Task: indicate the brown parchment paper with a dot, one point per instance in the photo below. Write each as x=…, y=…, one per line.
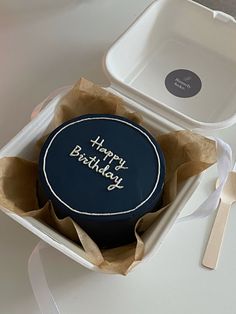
x=186, y=154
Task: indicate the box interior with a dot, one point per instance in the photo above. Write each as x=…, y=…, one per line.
x=177, y=34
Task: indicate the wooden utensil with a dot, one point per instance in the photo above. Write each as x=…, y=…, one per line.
x=228, y=197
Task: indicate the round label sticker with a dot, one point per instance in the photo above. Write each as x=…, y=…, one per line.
x=183, y=83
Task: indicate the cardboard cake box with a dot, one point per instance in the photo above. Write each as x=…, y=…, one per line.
x=167, y=66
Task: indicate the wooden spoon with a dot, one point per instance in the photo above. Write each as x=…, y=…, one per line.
x=228, y=197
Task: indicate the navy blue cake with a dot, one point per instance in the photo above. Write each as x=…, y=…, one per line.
x=104, y=172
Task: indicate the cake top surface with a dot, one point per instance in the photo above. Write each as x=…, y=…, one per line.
x=102, y=165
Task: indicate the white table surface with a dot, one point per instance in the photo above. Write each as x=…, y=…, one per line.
x=43, y=46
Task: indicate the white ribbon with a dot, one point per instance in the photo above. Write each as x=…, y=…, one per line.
x=39, y=283
x=224, y=166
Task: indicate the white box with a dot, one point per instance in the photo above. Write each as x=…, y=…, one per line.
x=137, y=65
x=179, y=34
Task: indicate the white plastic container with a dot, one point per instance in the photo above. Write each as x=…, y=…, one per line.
x=169, y=35
x=172, y=35
x=22, y=145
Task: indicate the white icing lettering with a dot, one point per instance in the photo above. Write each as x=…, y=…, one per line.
x=95, y=142
x=113, y=186
x=108, y=153
x=81, y=157
x=103, y=170
x=115, y=157
x=94, y=163
x=121, y=165
x=92, y=159
x=110, y=175
x=75, y=151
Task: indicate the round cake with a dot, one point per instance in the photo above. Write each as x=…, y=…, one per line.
x=103, y=171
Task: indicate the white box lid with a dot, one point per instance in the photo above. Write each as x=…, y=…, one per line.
x=178, y=59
